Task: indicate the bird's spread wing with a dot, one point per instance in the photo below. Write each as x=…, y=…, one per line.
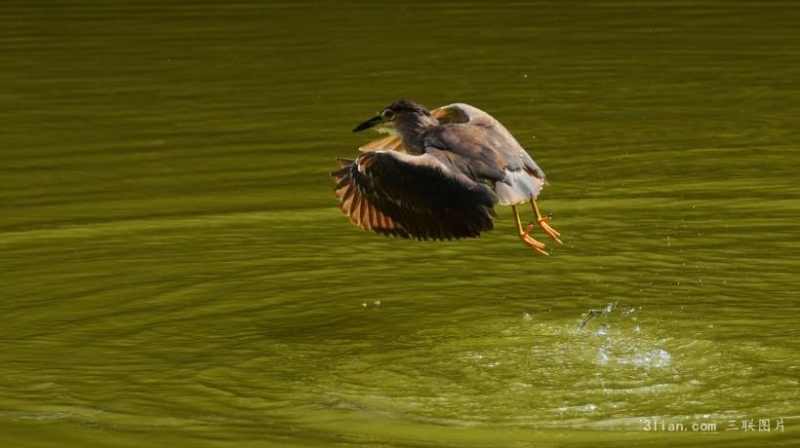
x=388, y=143
x=412, y=196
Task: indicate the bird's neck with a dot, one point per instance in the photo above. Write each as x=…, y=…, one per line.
x=413, y=133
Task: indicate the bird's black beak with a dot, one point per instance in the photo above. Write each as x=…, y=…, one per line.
x=369, y=123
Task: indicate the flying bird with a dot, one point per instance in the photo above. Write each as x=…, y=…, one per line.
x=439, y=174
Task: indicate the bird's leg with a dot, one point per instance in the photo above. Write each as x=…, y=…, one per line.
x=527, y=239
x=542, y=222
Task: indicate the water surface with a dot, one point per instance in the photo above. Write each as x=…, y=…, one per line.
x=175, y=269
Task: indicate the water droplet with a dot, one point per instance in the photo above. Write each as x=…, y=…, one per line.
x=602, y=356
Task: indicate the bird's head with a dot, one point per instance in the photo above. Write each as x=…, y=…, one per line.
x=397, y=117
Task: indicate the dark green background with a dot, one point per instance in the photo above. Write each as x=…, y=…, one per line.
x=174, y=268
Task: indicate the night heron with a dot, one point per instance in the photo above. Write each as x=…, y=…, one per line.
x=438, y=175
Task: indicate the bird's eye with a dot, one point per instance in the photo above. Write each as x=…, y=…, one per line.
x=387, y=114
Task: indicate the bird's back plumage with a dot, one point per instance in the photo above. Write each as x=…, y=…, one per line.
x=514, y=174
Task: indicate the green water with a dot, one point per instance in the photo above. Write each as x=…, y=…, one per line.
x=174, y=270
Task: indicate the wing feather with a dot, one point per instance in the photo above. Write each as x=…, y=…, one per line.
x=413, y=196
x=388, y=143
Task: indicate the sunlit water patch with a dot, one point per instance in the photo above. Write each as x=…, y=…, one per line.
x=538, y=372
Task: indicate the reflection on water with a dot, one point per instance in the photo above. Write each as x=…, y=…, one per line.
x=175, y=267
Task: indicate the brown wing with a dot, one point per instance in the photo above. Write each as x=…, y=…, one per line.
x=412, y=197
x=388, y=143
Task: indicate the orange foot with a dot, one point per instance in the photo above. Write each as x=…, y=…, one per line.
x=551, y=232
x=538, y=246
